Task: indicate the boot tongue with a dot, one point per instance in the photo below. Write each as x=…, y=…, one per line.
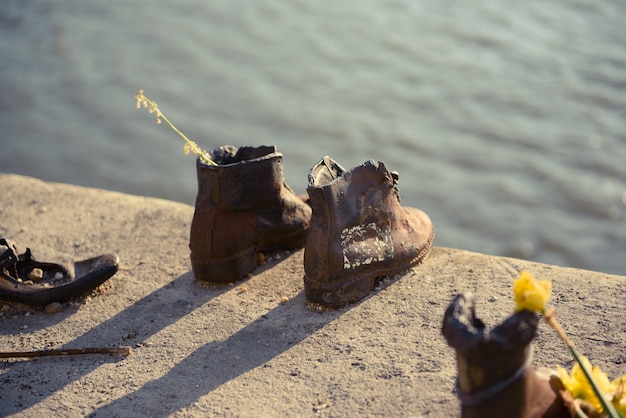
x=461, y=328
x=252, y=153
x=229, y=154
x=325, y=172
x=371, y=163
x=224, y=154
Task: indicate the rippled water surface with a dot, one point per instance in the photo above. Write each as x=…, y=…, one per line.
x=505, y=120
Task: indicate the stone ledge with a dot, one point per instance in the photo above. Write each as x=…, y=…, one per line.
x=239, y=351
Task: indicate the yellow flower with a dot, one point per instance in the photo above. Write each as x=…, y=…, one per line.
x=531, y=294
x=577, y=384
x=619, y=398
x=571, y=384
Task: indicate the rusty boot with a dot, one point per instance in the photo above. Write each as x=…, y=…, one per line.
x=496, y=377
x=243, y=206
x=358, y=232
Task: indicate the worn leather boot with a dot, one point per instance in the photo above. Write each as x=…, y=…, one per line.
x=27, y=281
x=243, y=206
x=496, y=377
x=358, y=232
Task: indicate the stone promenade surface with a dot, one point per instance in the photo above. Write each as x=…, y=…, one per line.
x=255, y=348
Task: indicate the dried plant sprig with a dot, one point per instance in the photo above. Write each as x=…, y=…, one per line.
x=190, y=146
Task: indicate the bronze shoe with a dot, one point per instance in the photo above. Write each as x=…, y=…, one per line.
x=359, y=232
x=496, y=377
x=243, y=206
x=27, y=281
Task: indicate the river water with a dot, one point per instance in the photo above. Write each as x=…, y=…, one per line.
x=505, y=120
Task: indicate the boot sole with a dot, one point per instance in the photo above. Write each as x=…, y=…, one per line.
x=350, y=289
x=231, y=269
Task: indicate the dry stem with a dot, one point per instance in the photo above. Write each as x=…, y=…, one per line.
x=122, y=351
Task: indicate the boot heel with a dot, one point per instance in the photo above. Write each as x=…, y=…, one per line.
x=338, y=294
x=226, y=270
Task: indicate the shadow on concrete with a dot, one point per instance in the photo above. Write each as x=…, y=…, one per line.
x=219, y=362
x=178, y=298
